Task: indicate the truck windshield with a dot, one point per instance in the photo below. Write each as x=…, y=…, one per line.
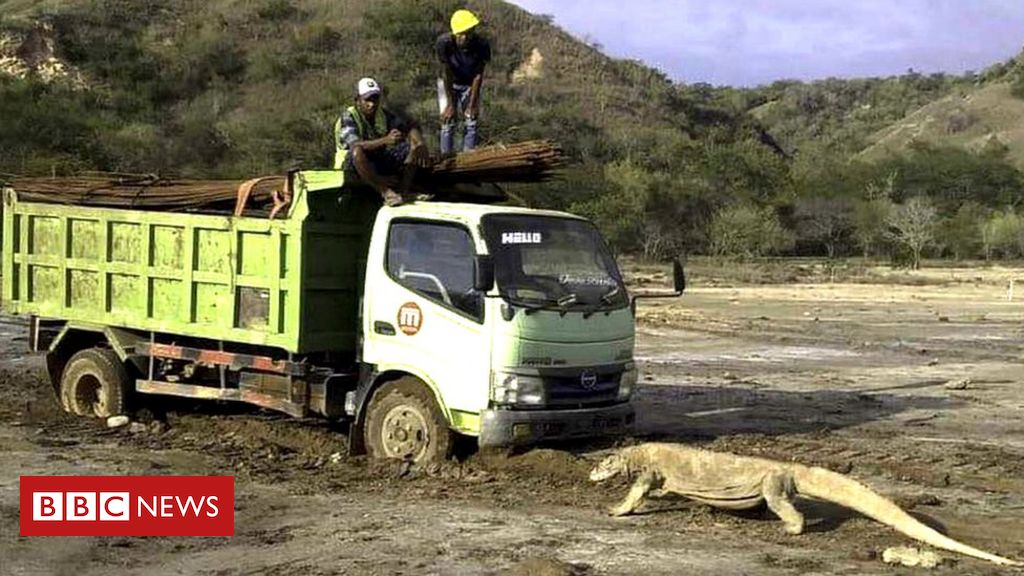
x=552, y=262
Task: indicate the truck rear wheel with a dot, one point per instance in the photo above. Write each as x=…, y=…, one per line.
x=403, y=421
x=94, y=383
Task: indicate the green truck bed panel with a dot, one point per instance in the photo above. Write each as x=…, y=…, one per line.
x=289, y=283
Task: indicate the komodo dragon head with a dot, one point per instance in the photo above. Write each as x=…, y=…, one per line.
x=609, y=467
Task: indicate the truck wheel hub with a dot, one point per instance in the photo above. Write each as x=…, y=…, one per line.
x=88, y=393
x=405, y=433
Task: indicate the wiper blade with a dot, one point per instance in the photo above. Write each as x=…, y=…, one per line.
x=524, y=304
x=530, y=306
x=561, y=304
x=607, y=296
x=606, y=300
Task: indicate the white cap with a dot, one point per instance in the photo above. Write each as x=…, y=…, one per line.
x=368, y=87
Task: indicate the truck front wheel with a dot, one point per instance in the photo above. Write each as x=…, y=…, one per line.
x=94, y=383
x=403, y=421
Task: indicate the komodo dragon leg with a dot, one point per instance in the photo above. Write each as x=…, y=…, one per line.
x=643, y=485
x=778, y=491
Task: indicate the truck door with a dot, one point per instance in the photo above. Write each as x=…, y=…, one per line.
x=422, y=315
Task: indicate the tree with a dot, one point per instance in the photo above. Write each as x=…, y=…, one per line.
x=962, y=233
x=951, y=176
x=746, y=230
x=1017, y=77
x=620, y=211
x=825, y=221
x=870, y=213
x=912, y=225
x=1003, y=234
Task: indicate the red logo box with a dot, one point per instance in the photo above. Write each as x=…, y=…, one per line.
x=127, y=505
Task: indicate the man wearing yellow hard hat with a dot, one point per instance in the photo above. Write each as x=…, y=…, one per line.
x=464, y=54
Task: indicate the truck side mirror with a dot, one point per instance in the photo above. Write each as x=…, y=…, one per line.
x=678, y=276
x=483, y=273
x=678, y=285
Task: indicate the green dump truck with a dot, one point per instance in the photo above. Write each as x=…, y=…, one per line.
x=507, y=324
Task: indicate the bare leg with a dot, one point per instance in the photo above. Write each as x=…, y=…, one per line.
x=410, y=168
x=367, y=172
x=408, y=174
x=778, y=494
x=640, y=488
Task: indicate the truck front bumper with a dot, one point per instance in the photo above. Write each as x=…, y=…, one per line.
x=515, y=427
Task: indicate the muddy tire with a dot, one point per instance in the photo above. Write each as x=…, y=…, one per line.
x=403, y=421
x=94, y=383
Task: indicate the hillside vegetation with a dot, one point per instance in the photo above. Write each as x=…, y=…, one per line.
x=989, y=118
x=231, y=88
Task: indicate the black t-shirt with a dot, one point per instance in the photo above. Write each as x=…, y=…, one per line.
x=464, y=63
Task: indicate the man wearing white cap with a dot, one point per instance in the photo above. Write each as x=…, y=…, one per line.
x=372, y=142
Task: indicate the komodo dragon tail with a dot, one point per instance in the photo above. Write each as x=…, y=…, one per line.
x=833, y=487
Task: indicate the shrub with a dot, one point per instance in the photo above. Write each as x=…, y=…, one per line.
x=277, y=10
x=1017, y=85
x=1003, y=234
x=746, y=230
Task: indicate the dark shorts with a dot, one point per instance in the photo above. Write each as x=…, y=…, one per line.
x=386, y=161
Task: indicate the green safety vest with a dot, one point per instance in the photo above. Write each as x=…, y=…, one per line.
x=366, y=132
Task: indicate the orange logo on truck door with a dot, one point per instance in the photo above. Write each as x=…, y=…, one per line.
x=410, y=318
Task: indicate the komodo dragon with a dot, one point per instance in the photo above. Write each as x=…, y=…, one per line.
x=736, y=482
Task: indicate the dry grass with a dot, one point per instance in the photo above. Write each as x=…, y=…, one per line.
x=993, y=113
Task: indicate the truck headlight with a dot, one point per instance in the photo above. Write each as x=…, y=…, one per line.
x=627, y=381
x=512, y=388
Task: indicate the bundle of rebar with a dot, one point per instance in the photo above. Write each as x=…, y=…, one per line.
x=532, y=161
x=141, y=191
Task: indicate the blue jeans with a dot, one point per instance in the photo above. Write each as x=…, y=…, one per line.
x=448, y=128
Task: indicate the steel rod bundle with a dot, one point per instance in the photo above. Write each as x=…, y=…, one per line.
x=532, y=161
x=145, y=192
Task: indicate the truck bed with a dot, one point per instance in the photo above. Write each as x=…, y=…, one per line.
x=291, y=283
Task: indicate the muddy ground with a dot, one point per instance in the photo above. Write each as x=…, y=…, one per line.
x=915, y=388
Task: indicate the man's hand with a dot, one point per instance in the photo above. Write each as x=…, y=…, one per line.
x=419, y=156
x=393, y=137
x=473, y=110
x=448, y=114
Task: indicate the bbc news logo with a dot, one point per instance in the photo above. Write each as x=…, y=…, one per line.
x=116, y=506
x=127, y=505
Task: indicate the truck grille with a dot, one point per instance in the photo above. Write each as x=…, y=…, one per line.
x=570, y=390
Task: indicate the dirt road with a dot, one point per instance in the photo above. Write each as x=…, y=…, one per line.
x=916, y=390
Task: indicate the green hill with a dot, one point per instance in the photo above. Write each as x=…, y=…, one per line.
x=874, y=118
x=234, y=88
x=237, y=88
x=987, y=118
x=228, y=88
x=840, y=115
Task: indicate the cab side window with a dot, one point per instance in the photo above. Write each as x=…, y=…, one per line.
x=436, y=261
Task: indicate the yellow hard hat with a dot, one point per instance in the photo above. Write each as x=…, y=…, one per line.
x=463, y=20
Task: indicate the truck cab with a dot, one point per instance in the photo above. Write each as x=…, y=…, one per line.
x=516, y=321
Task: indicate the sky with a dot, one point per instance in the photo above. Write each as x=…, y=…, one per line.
x=751, y=42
